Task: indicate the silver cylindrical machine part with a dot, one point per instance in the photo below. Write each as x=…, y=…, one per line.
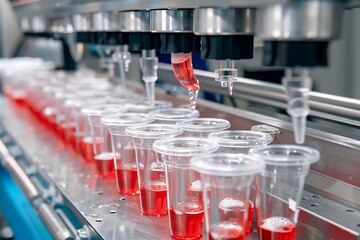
x=104, y=21
x=224, y=21
x=81, y=22
x=38, y=24
x=301, y=20
x=134, y=21
x=179, y=20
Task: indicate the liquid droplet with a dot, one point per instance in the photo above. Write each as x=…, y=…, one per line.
x=193, y=94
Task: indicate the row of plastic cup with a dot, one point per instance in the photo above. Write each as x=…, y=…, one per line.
x=191, y=169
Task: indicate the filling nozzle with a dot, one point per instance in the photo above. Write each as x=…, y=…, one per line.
x=226, y=74
x=297, y=84
x=123, y=57
x=149, y=65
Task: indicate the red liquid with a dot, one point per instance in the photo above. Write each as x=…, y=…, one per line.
x=127, y=180
x=184, y=72
x=226, y=231
x=87, y=149
x=234, y=210
x=153, y=198
x=186, y=220
x=277, y=228
x=18, y=96
x=104, y=163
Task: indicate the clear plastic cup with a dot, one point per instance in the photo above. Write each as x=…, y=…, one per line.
x=95, y=145
x=280, y=188
x=151, y=178
x=273, y=131
x=184, y=186
x=145, y=107
x=228, y=178
x=202, y=127
x=238, y=141
x=124, y=150
x=174, y=115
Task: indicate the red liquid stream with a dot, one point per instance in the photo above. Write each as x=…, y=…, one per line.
x=235, y=211
x=226, y=231
x=153, y=198
x=186, y=220
x=127, y=180
x=277, y=228
x=104, y=163
x=86, y=147
x=184, y=72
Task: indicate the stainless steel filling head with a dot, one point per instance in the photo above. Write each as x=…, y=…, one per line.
x=134, y=21
x=104, y=21
x=224, y=21
x=39, y=24
x=301, y=20
x=81, y=22
x=61, y=25
x=25, y=25
x=172, y=21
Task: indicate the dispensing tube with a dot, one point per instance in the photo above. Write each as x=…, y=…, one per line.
x=184, y=73
x=297, y=84
x=226, y=74
x=149, y=65
x=123, y=56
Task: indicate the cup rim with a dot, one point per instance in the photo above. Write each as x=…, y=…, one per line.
x=175, y=114
x=164, y=130
x=202, y=146
x=102, y=109
x=266, y=129
x=309, y=155
x=126, y=119
x=260, y=138
x=217, y=124
x=207, y=164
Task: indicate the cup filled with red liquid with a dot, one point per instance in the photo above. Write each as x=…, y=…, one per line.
x=280, y=188
x=123, y=148
x=184, y=186
x=174, y=115
x=202, y=127
x=237, y=141
x=151, y=178
x=229, y=178
x=95, y=144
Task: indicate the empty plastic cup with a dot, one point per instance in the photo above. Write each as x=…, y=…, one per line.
x=123, y=149
x=280, y=188
x=184, y=186
x=174, y=115
x=228, y=178
x=273, y=131
x=151, y=178
x=202, y=127
x=237, y=141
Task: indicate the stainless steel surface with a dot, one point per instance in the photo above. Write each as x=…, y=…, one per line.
x=273, y=94
x=301, y=20
x=178, y=20
x=18, y=174
x=134, y=21
x=224, y=21
x=61, y=25
x=104, y=21
x=81, y=22
x=118, y=217
x=57, y=229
